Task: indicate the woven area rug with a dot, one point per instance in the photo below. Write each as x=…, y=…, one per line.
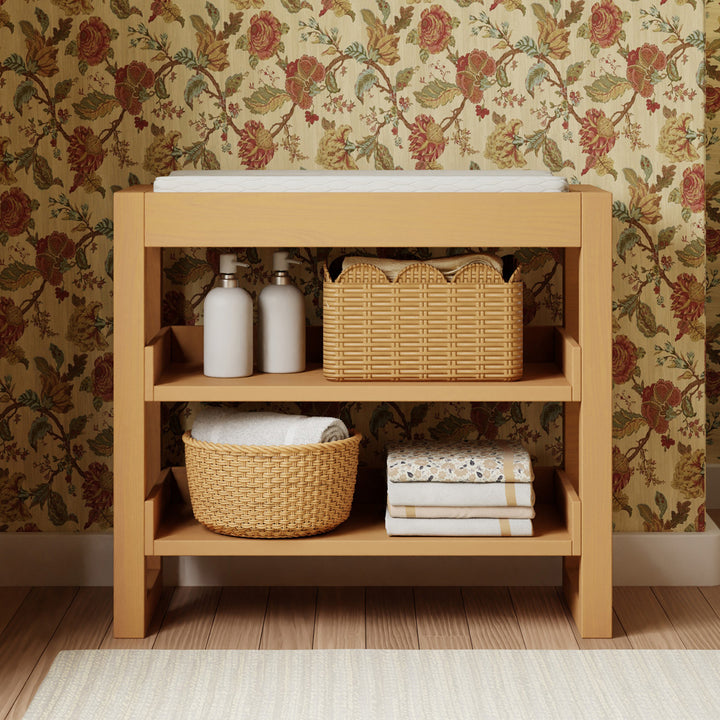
x=380, y=684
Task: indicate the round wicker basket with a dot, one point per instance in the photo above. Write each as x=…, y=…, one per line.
x=271, y=491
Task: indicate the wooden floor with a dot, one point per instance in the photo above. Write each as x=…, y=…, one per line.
x=35, y=624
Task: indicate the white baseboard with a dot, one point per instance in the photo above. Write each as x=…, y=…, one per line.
x=712, y=486
x=45, y=559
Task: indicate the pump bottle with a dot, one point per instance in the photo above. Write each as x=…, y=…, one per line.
x=281, y=318
x=228, y=332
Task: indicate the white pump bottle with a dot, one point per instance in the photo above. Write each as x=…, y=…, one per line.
x=228, y=335
x=281, y=319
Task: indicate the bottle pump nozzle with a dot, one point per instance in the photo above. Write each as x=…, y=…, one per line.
x=228, y=263
x=281, y=264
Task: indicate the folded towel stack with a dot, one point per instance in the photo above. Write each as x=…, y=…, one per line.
x=232, y=427
x=482, y=488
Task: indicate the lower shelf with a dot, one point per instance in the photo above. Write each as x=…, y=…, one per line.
x=173, y=531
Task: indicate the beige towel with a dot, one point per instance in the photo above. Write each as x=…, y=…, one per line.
x=430, y=511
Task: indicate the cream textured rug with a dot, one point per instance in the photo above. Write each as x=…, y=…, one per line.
x=380, y=684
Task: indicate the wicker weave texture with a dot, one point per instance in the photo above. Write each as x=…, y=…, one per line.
x=274, y=491
x=440, y=331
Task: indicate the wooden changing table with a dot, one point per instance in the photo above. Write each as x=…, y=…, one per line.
x=154, y=364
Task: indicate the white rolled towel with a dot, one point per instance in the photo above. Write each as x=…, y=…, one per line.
x=232, y=427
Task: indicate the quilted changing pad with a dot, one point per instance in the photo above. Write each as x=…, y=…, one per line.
x=360, y=181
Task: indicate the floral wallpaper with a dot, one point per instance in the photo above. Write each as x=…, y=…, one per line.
x=99, y=94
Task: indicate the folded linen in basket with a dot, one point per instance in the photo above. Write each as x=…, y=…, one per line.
x=465, y=462
x=502, y=527
x=232, y=427
x=430, y=511
x=461, y=494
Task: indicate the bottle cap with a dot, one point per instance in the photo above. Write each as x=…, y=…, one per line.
x=228, y=263
x=281, y=261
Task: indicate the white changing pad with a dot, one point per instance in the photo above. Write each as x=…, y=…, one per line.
x=360, y=181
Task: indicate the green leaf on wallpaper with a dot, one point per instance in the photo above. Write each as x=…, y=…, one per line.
x=198, y=23
x=693, y=254
x=403, y=78
x=43, y=19
x=42, y=174
x=574, y=72
x=696, y=39
x=620, y=211
x=384, y=7
x=700, y=75
x=266, y=99
x=161, y=89
x=295, y=6
x=687, y=407
x=213, y=14
x=105, y=227
x=437, y=93
x=502, y=77
x=196, y=85
x=366, y=79
x=381, y=415
x=626, y=423
x=30, y=399
x=528, y=46
x=452, y=427
x=665, y=237
x=628, y=237
x=24, y=93
x=646, y=513
x=38, y=430
x=57, y=509
x=77, y=425
x=358, y=52
x=16, y=63
x=5, y=431
x=607, y=87
x=645, y=319
x=133, y=179
x=331, y=82
x=186, y=269
x=552, y=157
x=76, y=368
x=646, y=167
x=535, y=76
x=383, y=158
x=122, y=9
x=186, y=57
x=102, y=443
x=516, y=413
x=548, y=415
x=368, y=16
x=81, y=259
x=661, y=503
x=17, y=275
x=58, y=355
x=95, y=105
x=62, y=90
x=418, y=414
x=233, y=83
x=672, y=71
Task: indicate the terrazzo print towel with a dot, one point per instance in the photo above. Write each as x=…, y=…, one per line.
x=468, y=462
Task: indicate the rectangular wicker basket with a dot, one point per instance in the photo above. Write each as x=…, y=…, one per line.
x=422, y=327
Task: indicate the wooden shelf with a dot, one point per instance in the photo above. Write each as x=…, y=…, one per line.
x=172, y=530
x=173, y=369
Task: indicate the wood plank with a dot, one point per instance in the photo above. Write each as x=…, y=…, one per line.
x=369, y=219
x=24, y=639
x=645, y=622
x=542, y=619
x=239, y=619
x=188, y=619
x=691, y=615
x=340, y=618
x=362, y=534
x=491, y=619
x=11, y=598
x=290, y=619
x=390, y=619
x=441, y=621
x=82, y=628
x=712, y=595
x=110, y=642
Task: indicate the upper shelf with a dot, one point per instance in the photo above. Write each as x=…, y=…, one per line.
x=364, y=219
x=173, y=372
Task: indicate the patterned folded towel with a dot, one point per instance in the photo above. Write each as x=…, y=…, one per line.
x=461, y=494
x=229, y=426
x=457, y=526
x=467, y=462
x=428, y=511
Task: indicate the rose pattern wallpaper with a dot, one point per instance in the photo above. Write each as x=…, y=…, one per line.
x=99, y=94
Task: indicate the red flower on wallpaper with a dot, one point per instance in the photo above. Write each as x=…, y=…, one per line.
x=52, y=253
x=692, y=188
x=85, y=154
x=15, y=211
x=624, y=359
x=263, y=35
x=255, y=147
x=12, y=325
x=621, y=470
x=657, y=401
x=597, y=133
x=643, y=66
x=301, y=78
x=435, y=29
x=605, y=23
x=712, y=242
x=97, y=492
x=472, y=69
x=93, y=41
x=131, y=85
x=688, y=298
x=102, y=377
x=712, y=98
x=427, y=140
